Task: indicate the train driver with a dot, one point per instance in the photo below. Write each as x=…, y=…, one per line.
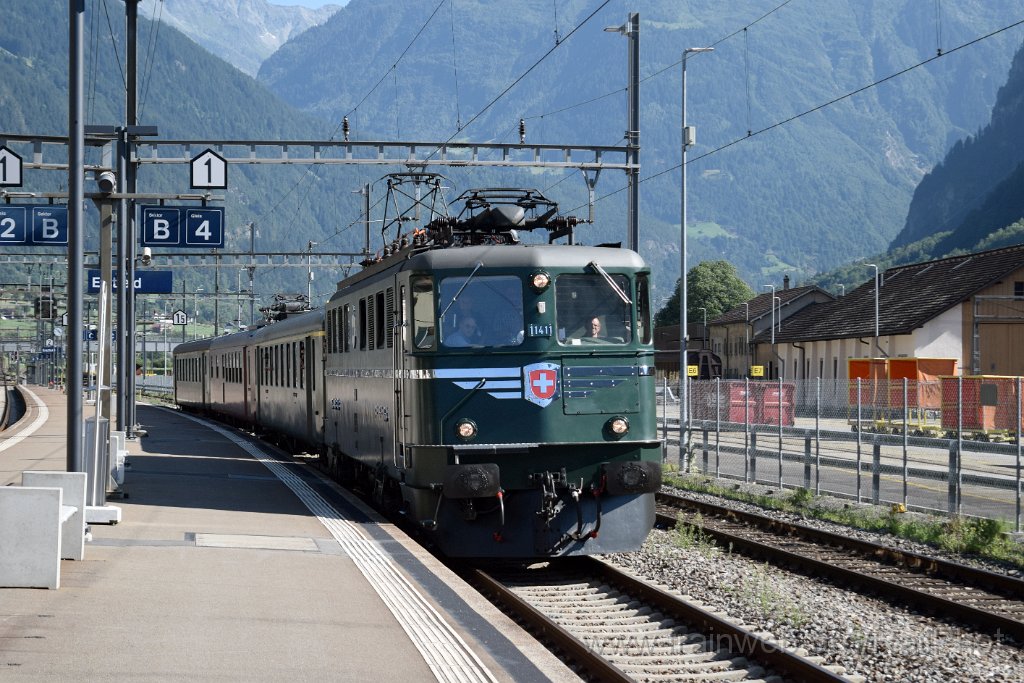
x=465, y=335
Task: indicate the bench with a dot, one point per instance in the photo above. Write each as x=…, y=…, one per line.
x=41, y=522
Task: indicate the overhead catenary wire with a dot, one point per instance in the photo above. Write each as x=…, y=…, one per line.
x=657, y=73
x=455, y=67
x=476, y=116
x=94, y=40
x=113, y=44
x=654, y=75
x=819, y=107
x=147, y=76
x=391, y=68
x=523, y=75
x=334, y=135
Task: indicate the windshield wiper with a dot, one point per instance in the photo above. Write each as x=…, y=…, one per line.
x=479, y=265
x=611, y=283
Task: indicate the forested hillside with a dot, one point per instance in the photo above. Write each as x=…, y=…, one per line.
x=805, y=196
x=972, y=201
x=188, y=94
x=976, y=189
x=816, y=191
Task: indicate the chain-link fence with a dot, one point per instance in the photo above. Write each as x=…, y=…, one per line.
x=951, y=444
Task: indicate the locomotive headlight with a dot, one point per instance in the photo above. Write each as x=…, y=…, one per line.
x=540, y=281
x=618, y=426
x=466, y=429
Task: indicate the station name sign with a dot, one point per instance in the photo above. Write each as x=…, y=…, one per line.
x=146, y=281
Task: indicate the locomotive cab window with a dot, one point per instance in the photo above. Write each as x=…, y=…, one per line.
x=588, y=310
x=643, y=308
x=423, y=312
x=481, y=311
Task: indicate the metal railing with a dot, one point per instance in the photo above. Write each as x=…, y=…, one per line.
x=950, y=444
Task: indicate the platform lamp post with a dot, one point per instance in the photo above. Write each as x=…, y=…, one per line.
x=195, y=313
x=688, y=139
x=746, y=335
x=773, y=322
x=872, y=265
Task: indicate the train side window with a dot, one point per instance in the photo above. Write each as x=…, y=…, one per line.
x=379, y=317
x=339, y=341
x=350, y=327
x=371, y=327
x=423, y=311
x=362, y=324
x=643, y=308
x=330, y=330
x=389, y=315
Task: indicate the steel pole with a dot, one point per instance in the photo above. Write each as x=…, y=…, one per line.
x=633, y=135
x=682, y=268
x=683, y=332
x=76, y=229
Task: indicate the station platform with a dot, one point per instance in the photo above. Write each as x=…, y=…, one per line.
x=235, y=562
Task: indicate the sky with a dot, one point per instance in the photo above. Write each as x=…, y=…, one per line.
x=309, y=3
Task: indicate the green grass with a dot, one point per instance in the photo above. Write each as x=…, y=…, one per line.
x=985, y=538
x=691, y=536
x=707, y=229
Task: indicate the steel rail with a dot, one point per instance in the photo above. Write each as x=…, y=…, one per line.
x=739, y=639
x=924, y=565
x=544, y=628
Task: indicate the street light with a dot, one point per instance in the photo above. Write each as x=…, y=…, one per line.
x=746, y=334
x=872, y=265
x=688, y=139
x=773, y=313
x=195, y=314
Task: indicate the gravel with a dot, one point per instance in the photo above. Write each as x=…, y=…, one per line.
x=868, y=637
x=838, y=503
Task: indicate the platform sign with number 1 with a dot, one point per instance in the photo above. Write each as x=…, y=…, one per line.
x=209, y=171
x=10, y=168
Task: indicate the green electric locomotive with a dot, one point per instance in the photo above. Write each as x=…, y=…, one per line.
x=502, y=393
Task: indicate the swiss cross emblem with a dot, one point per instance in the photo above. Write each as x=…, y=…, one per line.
x=541, y=380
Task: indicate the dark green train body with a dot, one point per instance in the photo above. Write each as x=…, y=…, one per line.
x=502, y=393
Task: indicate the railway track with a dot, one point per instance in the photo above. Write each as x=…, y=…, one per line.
x=615, y=627
x=989, y=602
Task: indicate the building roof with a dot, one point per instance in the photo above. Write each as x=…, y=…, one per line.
x=761, y=305
x=908, y=297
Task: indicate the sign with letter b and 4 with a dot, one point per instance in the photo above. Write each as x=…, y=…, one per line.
x=182, y=226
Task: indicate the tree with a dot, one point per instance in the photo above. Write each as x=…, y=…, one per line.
x=714, y=285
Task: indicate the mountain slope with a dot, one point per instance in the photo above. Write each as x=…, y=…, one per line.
x=955, y=196
x=798, y=198
x=241, y=32
x=188, y=94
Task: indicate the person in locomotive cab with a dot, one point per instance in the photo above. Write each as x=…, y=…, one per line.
x=595, y=328
x=466, y=334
